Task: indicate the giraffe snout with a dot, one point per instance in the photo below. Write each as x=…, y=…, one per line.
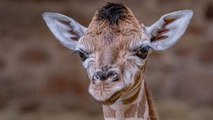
x=105, y=76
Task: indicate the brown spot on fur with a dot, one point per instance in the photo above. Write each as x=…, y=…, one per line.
x=137, y=82
x=152, y=112
x=108, y=112
x=114, y=98
x=139, y=74
x=142, y=106
x=131, y=99
x=131, y=111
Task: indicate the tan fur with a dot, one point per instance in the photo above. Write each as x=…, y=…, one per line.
x=131, y=99
x=110, y=46
x=108, y=112
x=114, y=50
x=131, y=111
x=142, y=106
x=137, y=108
x=152, y=110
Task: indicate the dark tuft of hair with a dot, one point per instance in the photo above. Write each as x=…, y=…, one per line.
x=112, y=12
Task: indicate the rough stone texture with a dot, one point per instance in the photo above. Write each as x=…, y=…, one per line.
x=2, y=64
x=208, y=11
x=37, y=74
x=34, y=56
x=206, y=55
x=60, y=83
x=196, y=86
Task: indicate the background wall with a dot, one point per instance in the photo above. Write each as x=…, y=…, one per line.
x=41, y=80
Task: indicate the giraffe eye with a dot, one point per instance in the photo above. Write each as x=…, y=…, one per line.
x=142, y=52
x=83, y=55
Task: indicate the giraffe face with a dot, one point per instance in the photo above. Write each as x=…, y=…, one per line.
x=115, y=46
x=114, y=61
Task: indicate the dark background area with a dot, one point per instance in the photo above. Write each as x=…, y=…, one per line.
x=42, y=80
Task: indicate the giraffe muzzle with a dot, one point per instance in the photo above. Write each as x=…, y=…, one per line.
x=105, y=76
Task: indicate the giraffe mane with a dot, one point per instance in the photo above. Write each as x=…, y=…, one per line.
x=112, y=13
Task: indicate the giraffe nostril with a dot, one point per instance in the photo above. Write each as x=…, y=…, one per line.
x=115, y=78
x=96, y=77
x=113, y=75
x=102, y=76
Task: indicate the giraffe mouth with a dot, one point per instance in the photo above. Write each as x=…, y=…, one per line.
x=105, y=92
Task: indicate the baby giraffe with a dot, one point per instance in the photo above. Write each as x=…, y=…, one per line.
x=114, y=49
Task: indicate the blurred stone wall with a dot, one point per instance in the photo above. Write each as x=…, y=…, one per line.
x=38, y=74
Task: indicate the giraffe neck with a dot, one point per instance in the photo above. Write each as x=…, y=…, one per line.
x=136, y=107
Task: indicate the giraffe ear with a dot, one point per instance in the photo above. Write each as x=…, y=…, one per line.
x=65, y=29
x=168, y=29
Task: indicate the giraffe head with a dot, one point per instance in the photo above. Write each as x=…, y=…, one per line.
x=115, y=46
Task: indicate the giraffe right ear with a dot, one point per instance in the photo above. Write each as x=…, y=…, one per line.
x=168, y=29
x=65, y=29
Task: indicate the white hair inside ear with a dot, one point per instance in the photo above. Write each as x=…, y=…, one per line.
x=168, y=29
x=65, y=29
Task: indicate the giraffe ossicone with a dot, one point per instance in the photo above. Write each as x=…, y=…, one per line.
x=114, y=50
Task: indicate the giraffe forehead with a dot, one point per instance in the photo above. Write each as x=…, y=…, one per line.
x=112, y=41
x=115, y=26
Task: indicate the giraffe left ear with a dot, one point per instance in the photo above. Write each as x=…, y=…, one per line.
x=65, y=29
x=168, y=29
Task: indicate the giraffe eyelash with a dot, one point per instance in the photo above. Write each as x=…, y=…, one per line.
x=82, y=55
x=141, y=52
